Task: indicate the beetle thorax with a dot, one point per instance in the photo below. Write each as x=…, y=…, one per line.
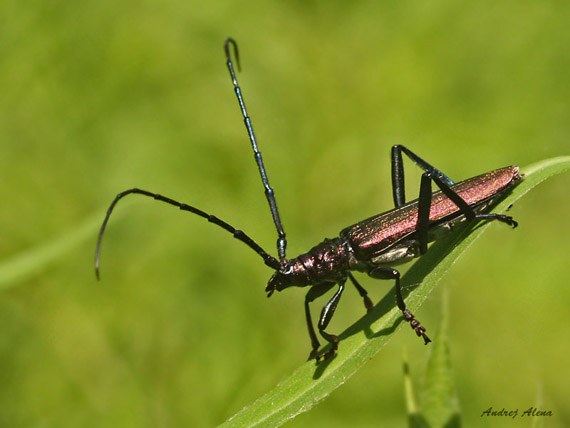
x=326, y=262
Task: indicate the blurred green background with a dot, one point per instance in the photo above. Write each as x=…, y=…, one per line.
x=98, y=97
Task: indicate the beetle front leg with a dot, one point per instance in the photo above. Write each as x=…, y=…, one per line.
x=389, y=273
x=315, y=292
x=324, y=320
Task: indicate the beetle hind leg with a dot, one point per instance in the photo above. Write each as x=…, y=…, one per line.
x=389, y=273
x=398, y=187
x=507, y=219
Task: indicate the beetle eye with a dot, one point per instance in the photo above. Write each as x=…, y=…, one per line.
x=286, y=270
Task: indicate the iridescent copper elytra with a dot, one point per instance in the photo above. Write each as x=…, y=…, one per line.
x=371, y=246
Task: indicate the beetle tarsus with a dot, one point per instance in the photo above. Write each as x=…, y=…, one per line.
x=512, y=222
x=507, y=219
x=416, y=326
x=313, y=354
x=330, y=353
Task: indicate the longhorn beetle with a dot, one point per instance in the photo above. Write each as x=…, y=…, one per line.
x=372, y=245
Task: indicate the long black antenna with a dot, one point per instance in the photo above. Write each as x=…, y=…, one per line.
x=238, y=234
x=269, y=192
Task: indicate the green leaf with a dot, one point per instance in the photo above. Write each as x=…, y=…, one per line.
x=415, y=417
x=440, y=403
x=310, y=383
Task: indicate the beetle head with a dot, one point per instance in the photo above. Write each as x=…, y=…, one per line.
x=288, y=275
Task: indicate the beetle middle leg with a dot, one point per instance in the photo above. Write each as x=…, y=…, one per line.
x=389, y=273
x=324, y=319
x=363, y=293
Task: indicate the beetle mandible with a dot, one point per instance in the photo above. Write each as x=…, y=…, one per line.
x=371, y=246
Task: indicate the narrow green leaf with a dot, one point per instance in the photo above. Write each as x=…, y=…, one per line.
x=415, y=418
x=440, y=403
x=310, y=383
